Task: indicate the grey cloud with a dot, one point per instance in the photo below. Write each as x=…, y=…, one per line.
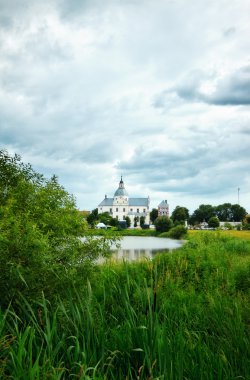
x=232, y=90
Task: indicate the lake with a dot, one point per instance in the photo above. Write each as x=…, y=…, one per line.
x=137, y=247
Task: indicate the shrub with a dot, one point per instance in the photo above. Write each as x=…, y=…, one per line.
x=163, y=223
x=177, y=232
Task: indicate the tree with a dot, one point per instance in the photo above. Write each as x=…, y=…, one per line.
x=163, y=223
x=239, y=213
x=227, y=212
x=213, y=222
x=105, y=218
x=142, y=220
x=180, y=215
x=41, y=249
x=224, y=212
x=93, y=217
x=128, y=221
x=153, y=215
x=202, y=213
x=136, y=219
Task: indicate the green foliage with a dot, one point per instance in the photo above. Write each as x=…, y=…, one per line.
x=180, y=215
x=202, y=214
x=213, y=222
x=181, y=316
x=136, y=220
x=128, y=221
x=142, y=220
x=225, y=213
x=93, y=217
x=163, y=223
x=230, y=213
x=153, y=215
x=41, y=249
x=177, y=232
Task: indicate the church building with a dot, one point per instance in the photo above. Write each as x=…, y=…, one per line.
x=121, y=205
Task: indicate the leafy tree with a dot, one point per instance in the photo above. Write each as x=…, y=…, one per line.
x=213, y=222
x=114, y=222
x=227, y=212
x=41, y=249
x=180, y=215
x=239, y=213
x=153, y=215
x=224, y=212
x=93, y=217
x=202, y=213
x=163, y=223
x=128, y=221
x=142, y=220
x=136, y=219
x=105, y=218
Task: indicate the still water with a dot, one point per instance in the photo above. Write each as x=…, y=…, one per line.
x=137, y=247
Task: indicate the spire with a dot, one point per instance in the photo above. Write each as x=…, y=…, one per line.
x=121, y=184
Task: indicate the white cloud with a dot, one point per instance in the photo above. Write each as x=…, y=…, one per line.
x=157, y=91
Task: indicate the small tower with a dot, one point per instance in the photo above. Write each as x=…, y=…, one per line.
x=163, y=208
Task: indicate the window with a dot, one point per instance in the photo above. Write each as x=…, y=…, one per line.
x=138, y=210
x=144, y=210
x=124, y=210
x=131, y=210
x=116, y=209
x=110, y=211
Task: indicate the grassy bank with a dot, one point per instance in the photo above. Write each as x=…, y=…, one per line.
x=244, y=234
x=183, y=315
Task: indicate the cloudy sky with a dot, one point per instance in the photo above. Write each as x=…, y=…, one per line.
x=155, y=90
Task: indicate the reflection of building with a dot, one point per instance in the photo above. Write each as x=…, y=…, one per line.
x=163, y=208
x=121, y=206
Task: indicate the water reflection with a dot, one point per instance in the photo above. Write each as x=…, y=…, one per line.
x=137, y=247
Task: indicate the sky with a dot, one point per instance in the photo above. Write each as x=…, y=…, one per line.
x=157, y=91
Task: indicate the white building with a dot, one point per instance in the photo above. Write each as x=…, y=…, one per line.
x=121, y=205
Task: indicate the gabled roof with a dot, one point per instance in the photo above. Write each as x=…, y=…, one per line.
x=163, y=204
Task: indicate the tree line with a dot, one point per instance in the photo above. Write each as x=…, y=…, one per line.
x=212, y=215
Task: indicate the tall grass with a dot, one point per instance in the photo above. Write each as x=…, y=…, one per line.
x=183, y=315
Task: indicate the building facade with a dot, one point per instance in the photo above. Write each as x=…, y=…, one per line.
x=121, y=206
x=163, y=208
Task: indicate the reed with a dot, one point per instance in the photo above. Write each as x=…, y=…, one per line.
x=183, y=315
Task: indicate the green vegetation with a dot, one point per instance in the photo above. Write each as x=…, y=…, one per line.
x=181, y=316
x=163, y=223
x=41, y=249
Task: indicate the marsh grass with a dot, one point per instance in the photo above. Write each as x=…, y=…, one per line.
x=183, y=315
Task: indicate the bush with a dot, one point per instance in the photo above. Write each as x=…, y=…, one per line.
x=177, y=232
x=163, y=223
x=213, y=222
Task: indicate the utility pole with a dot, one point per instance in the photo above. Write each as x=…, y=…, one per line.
x=238, y=195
